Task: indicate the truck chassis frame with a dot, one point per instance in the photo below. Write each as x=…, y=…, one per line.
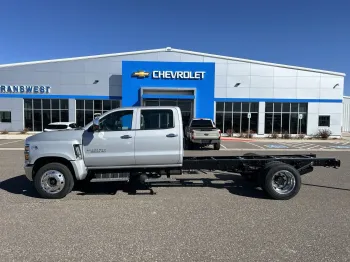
x=270, y=172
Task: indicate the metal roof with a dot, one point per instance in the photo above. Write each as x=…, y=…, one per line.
x=169, y=49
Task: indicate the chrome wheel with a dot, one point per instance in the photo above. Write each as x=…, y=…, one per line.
x=52, y=181
x=283, y=182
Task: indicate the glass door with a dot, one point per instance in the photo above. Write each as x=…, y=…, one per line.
x=186, y=106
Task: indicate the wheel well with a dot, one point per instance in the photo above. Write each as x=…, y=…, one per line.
x=46, y=160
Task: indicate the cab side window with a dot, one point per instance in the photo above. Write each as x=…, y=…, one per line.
x=153, y=119
x=117, y=121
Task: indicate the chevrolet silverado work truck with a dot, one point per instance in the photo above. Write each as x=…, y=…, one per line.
x=202, y=132
x=142, y=145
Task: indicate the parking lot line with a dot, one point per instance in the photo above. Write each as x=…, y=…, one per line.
x=223, y=146
x=254, y=145
x=10, y=142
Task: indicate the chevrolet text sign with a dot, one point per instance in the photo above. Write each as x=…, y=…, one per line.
x=196, y=75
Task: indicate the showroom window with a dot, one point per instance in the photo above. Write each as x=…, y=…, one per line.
x=85, y=109
x=284, y=118
x=324, y=121
x=233, y=117
x=38, y=113
x=5, y=116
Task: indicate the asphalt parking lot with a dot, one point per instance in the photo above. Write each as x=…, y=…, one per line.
x=223, y=219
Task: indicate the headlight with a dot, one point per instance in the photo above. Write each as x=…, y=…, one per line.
x=26, y=152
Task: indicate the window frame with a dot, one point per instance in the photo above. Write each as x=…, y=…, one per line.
x=3, y=111
x=281, y=112
x=83, y=110
x=33, y=110
x=116, y=112
x=139, y=117
x=329, y=120
x=230, y=115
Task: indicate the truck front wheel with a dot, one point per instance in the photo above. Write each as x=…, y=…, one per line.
x=53, y=181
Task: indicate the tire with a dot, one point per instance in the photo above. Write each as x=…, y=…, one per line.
x=60, y=175
x=217, y=146
x=268, y=182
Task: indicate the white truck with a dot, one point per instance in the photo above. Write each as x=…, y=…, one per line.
x=202, y=132
x=140, y=145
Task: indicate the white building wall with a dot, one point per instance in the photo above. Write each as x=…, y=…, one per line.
x=346, y=114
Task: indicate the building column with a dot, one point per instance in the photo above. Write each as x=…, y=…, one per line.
x=71, y=110
x=261, y=121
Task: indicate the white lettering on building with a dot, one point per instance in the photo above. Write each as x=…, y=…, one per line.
x=198, y=75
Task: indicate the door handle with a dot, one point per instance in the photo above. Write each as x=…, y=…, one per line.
x=125, y=137
x=171, y=135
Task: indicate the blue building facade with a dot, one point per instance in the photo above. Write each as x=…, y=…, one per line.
x=238, y=94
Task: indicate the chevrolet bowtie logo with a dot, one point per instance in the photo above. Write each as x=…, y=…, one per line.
x=140, y=74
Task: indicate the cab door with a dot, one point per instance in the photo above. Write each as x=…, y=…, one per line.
x=158, y=137
x=114, y=143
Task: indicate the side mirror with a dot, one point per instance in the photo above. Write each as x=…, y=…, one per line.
x=96, y=123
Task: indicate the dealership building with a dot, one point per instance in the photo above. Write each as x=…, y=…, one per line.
x=238, y=94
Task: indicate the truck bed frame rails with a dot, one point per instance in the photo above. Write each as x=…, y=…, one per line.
x=270, y=172
x=253, y=162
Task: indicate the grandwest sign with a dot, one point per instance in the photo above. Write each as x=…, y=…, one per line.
x=188, y=75
x=7, y=89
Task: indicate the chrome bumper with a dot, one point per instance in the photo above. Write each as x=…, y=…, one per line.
x=28, y=169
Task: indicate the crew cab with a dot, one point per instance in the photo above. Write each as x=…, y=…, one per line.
x=202, y=132
x=140, y=145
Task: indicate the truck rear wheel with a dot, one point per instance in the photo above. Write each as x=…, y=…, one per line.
x=217, y=146
x=280, y=181
x=53, y=181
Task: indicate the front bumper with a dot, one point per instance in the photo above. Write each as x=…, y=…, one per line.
x=28, y=169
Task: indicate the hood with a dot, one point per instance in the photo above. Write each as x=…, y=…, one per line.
x=61, y=136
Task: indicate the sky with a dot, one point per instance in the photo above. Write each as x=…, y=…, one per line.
x=305, y=33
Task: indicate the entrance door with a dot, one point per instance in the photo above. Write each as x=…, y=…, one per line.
x=186, y=106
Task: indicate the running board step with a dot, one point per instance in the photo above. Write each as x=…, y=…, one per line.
x=118, y=179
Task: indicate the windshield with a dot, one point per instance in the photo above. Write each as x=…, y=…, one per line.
x=202, y=123
x=52, y=126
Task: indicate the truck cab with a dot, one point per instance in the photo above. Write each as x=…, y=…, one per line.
x=124, y=138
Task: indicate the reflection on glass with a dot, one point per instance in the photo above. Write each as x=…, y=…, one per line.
x=236, y=119
x=37, y=120
x=228, y=122
x=219, y=106
x=79, y=104
x=285, y=123
x=268, y=123
x=46, y=104
x=46, y=118
x=220, y=120
x=64, y=116
x=55, y=114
